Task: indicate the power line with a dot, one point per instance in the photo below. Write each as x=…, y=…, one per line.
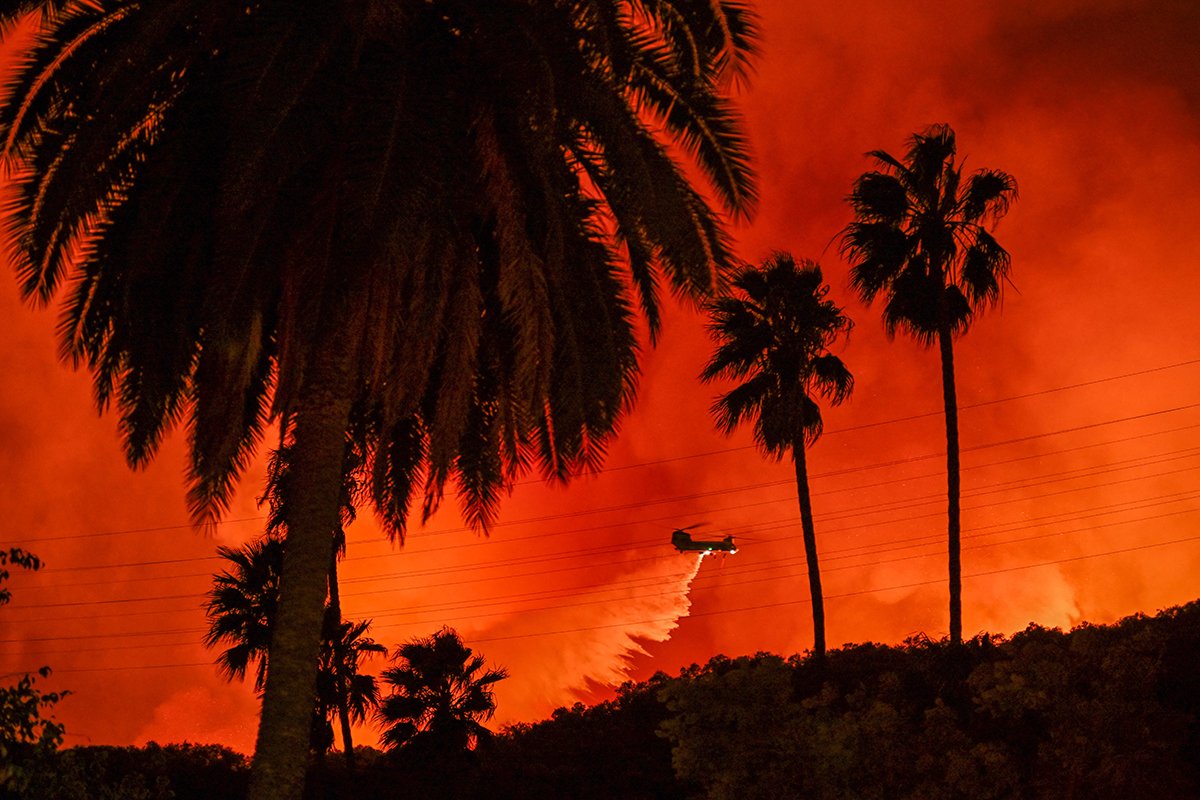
x=724, y=584
x=698, y=495
x=626, y=547
x=844, y=594
x=717, y=612
x=701, y=512
x=912, y=543
x=681, y=498
x=705, y=454
x=858, y=551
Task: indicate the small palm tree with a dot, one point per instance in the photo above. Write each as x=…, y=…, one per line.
x=921, y=238
x=773, y=334
x=243, y=610
x=243, y=606
x=343, y=691
x=440, y=696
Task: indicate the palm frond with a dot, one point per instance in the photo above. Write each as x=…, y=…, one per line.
x=773, y=337
x=832, y=378
x=878, y=252
x=879, y=197
x=985, y=266
x=918, y=238
x=989, y=195
x=707, y=127
x=742, y=402
x=398, y=468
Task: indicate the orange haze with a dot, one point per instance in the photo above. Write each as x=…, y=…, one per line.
x=1079, y=504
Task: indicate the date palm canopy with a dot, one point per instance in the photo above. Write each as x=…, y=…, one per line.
x=436, y=221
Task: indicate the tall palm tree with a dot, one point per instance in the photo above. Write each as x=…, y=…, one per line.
x=773, y=335
x=436, y=219
x=921, y=238
x=440, y=696
x=243, y=611
x=277, y=497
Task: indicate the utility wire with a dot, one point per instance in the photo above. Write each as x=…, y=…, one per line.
x=1089, y=470
x=717, y=612
x=723, y=584
x=721, y=451
x=681, y=498
x=625, y=547
x=789, y=522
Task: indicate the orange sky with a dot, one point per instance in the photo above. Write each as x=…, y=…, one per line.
x=1094, y=105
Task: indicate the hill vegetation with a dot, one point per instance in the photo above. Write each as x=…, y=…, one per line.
x=1102, y=711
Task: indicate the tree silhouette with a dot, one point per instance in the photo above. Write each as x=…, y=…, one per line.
x=435, y=219
x=28, y=730
x=920, y=237
x=243, y=607
x=440, y=696
x=277, y=494
x=343, y=691
x=773, y=335
x=243, y=610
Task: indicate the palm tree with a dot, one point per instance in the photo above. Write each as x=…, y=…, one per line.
x=243, y=607
x=773, y=334
x=342, y=690
x=276, y=496
x=243, y=611
x=435, y=220
x=921, y=238
x=440, y=696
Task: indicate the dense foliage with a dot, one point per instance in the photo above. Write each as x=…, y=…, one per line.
x=1102, y=711
x=154, y=772
x=1097, y=712
x=28, y=730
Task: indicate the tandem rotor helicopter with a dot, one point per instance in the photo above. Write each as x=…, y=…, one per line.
x=684, y=543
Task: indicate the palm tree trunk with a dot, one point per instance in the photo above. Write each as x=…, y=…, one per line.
x=810, y=549
x=335, y=604
x=952, y=485
x=323, y=411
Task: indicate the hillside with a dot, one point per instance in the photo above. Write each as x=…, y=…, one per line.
x=1100, y=711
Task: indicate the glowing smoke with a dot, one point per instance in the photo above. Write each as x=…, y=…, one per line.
x=598, y=639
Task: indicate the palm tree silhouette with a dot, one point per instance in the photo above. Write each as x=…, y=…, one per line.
x=243, y=611
x=773, y=335
x=440, y=696
x=277, y=498
x=433, y=219
x=243, y=606
x=342, y=690
x=920, y=237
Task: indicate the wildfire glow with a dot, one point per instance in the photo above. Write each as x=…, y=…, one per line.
x=1080, y=429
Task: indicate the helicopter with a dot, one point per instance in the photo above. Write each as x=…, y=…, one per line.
x=684, y=543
